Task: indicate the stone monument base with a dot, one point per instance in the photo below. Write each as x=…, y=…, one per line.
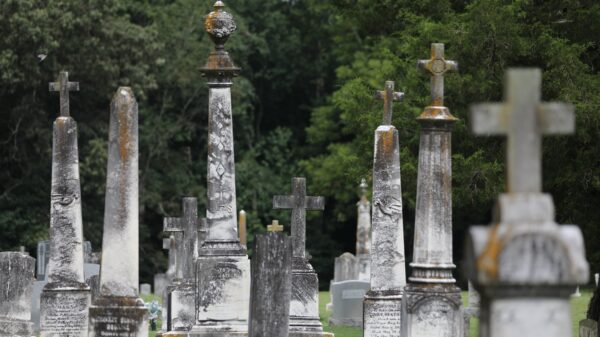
x=182, y=307
x=432, y=310
x=382, y=313
x=64, y=310
x=223, y=297
x=119, y=317
x=15, y=328
x=304, y=306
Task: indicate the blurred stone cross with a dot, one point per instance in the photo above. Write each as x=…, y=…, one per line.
x=388, y=96
x=299, y=203
x=524, y=119
x=188, y=226
x=275, y=227
x=437, y=66
x=63, y=86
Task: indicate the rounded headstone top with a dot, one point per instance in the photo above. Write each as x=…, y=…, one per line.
x=219, y=24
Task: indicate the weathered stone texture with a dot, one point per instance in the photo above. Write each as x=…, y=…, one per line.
x=120, y=248
x=16, y=281
x=271, y=286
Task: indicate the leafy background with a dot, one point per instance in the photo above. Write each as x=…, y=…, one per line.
x=303, y=105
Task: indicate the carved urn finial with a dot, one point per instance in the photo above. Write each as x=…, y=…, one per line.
x=219, y=25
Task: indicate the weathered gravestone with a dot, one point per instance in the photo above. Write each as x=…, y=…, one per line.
x=16, y=280
x=304, y=308
x=223, y=267
x=65, y=298
x=588, y=328
x=383, y=302
x=118, y=311
x=525, y=265
x=347, y=297
x=271, y=290
x=145, y=289
x=182, y=293
x=160, y=283
x=432, y=306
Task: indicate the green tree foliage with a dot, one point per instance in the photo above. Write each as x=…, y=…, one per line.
x=303, y=105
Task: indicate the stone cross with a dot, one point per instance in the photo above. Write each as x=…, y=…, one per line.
x=63, y=86
x=299, y=203
x=388, y=96
x=524, y=119
x=437, y=66
x=187, y=225
x=275, y=226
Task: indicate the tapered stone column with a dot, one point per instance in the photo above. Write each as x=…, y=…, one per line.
x=432, y=306
x=383, y=302
x=222, y=267
x=65, y=298
x=525, y=266
x=118, y=310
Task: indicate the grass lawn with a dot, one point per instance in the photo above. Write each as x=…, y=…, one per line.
x=578, y=310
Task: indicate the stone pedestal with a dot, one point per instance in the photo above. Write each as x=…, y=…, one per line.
x=182, y=307
x=304, y=307
x=223, y=296
x=382, y=313
x=16, y=281
x=118, y=317
x=65, y=310
x=433, y=311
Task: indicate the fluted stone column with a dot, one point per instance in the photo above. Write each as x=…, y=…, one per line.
x=222, y=267
x=119, y=311
x=65, y=298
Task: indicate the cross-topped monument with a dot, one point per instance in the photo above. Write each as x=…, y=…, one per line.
x=299, y=203
x=187, y=225
x=437, y=66
x=388, y=96
x=524, y=119
x=63, y=86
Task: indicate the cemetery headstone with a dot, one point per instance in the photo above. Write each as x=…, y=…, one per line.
x=223, y=267
x=271, y=290
x=65, y=298
x=16, y=280
x=118, y=311
x=432, y=306
x=383, y=302
x=160, y=283
x=182, y=292
x=145, y=289
x=347, y=297
x=43, y=250
x=525, y=265
x=304, y=308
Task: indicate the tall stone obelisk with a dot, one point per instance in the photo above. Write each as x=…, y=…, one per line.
x=432, y=305
x=66, y=297
x=525, y=266
x=119, y=311
x=222, y=267
x=363, y=234
x=383, y=303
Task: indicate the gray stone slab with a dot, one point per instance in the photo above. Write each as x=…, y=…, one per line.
x=145, y=289
x=271, y=286
x=346, y=268
x=160, y=284
x=347, y=298
x=16, y=281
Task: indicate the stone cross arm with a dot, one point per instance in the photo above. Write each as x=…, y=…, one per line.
x=524, y=119
x=388, y=96
x=190, y=213
x=436, y=66
x=63, y=86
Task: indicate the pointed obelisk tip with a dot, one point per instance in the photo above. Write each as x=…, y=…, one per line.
x=124, y=95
